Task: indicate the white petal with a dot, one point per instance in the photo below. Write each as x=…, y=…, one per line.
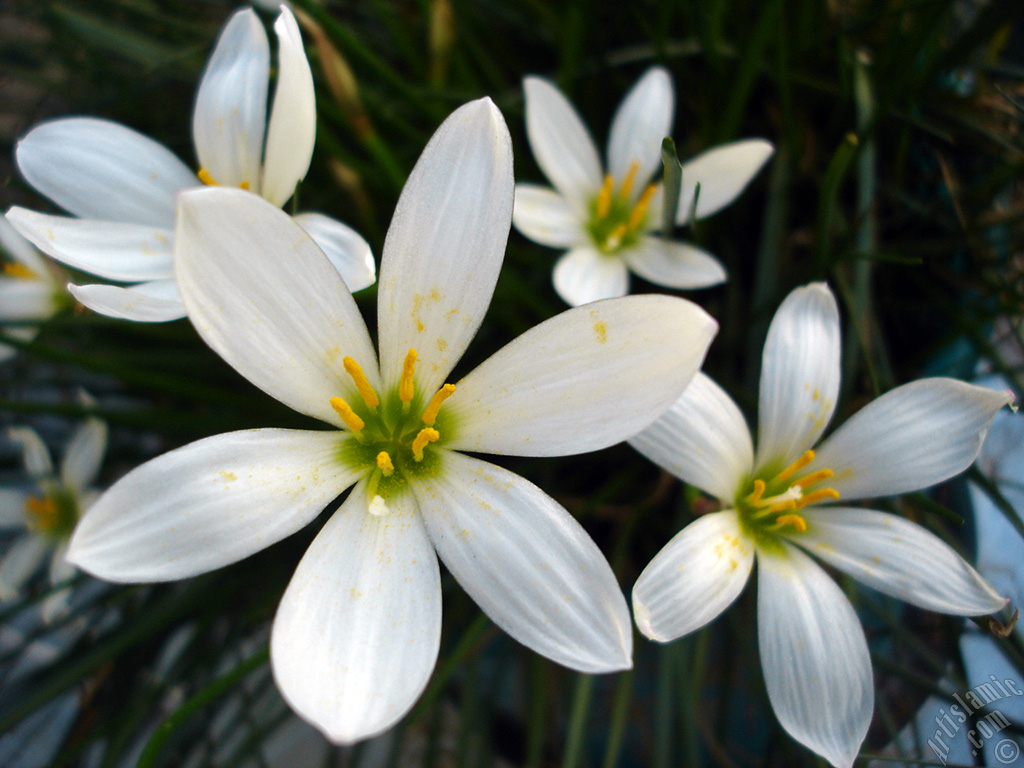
x=911, y=437
x=640, y=124
x=527, y=563
x=814, y=656
x=84, y=455
x=35, y=455
x=112, y=250
x=154, y=302
x=348, y=251
x=264, y=297
x=20, y=250
x=231, y=105
x=584, y=275
x=445, y=245
x=357, y=633
x=210, y=503
x=20, y=562
x=97, y=169
x=695, y=577
x=545, y=217
x=12, y=508
x=723, y=173
x=561, y=143
x=702, y=439
x=583, y=380
x=292, y=129
x=22, y=299
x=899, y=558
x=674, y=265
x=799, y=376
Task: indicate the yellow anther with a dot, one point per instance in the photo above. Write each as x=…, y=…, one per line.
x=795, y=520
x=206, y=178
x=814, y=477
x=796, y=466
x=758, y=492
x=815, y=496
x=366, y=392
x=43, y=512
x=627, y=182
x=405, y=384
x=425, y=436
x=244, y=185
x=19, y=270
x=636, y=218
x=781, y=506
x=436, y=402
x=604, y=197
x=384, y=463
x=350, y=417
x=616, y=236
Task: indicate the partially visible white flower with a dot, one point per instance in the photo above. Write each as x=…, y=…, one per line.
x=122, y=186
x=30, y=288
x=357, y=633
x=605, y=219
x=780, y=505
x=48, y=514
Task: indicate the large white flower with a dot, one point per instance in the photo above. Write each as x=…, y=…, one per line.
x=121, y=185
x=605, y=220
x=356, y=635
x=48, y=514
x=780, y=503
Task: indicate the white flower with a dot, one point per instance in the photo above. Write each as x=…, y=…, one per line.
x=49, y=514
x=356, y=635
x=121, y=185
x=30, y=289
x=605, y=220
x=780, y=504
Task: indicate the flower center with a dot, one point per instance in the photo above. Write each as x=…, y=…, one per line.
x=54, y=514
x=207, y=178
x=772, y=505
x=18, y=270
x=615, y=222
x=392, y=435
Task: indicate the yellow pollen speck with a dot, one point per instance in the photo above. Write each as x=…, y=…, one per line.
x=430, y=414
x=353, y=369
x=795, y=520
x=601, y=331
x=796, y=466
x=350, y=417
x=206, y=178
x=627, y=182
x=228, y=476
x=384, y=462
x=405, y=384
x=19, y=270
x=604, y=197
x=425, y=436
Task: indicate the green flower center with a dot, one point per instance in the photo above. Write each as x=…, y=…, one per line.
x=53, y=515
x=393, y=436
x=767, y=506
x=615, y=221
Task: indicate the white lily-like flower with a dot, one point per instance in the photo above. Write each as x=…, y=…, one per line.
x=30, y=288
x=356, y=635
x=780, y=504
x=49, y=514
x=605, y=220
x=121, y=185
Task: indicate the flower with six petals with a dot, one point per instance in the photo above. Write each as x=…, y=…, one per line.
x=781, y=504
x=120, y=186
x=605, y=220
x=357, y=632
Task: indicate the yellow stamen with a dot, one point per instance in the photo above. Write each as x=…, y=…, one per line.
x=636, y=218
x=814, y=477
x=384, y=463
x=758, y=492
x=796, y=466
x=206, y=178
x=405, y=384
x=616, y=236
x=426, y=435
x=42, y=511
x=781, y=506
x=604, y=197
x=350, y=417
x=795, y=520
x=813, y=496
x=366, y=392
x=19, y=270
x=627, y=182
x=436, y=402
